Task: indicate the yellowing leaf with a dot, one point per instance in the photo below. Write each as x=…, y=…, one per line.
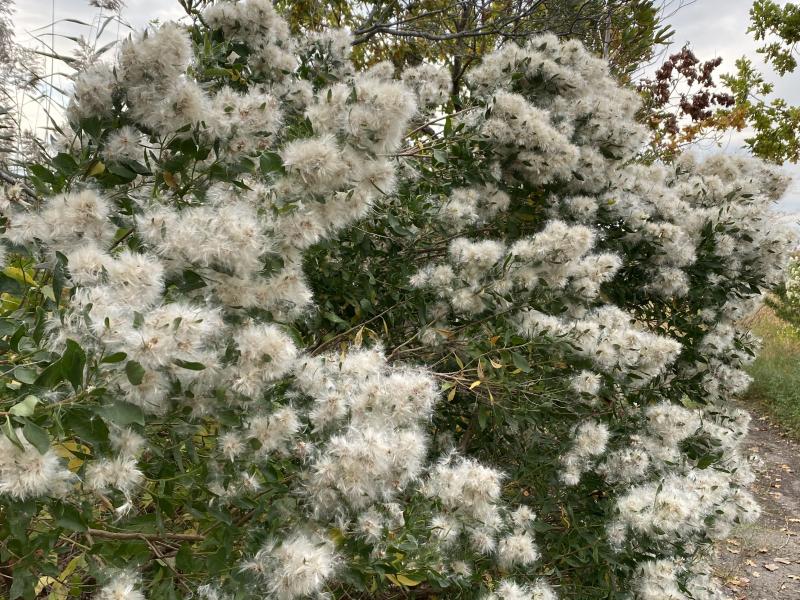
x=402, y=580
x=48, y=292
x=65, y=450
x=19, y=275
x=97, y=168
x=496, y=364
x=59, y=589
x=169, y=179
x=336, y=535
x=474, y=384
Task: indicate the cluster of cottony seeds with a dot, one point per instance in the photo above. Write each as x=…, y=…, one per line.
x=550, y=116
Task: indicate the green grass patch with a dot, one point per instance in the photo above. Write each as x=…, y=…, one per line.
x=776, y=371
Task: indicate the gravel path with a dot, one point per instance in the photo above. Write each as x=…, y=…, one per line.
x=762, y=561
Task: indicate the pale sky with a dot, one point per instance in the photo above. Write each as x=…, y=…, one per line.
x=719, y=28
x=713, y=28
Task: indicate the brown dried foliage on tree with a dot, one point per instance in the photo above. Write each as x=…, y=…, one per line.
x=682, y=102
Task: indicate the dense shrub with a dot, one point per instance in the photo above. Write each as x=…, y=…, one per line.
x=274, y=328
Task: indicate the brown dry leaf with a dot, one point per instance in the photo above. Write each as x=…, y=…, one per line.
x=794, y=520
x=783, y=561
x=771, y=567
x=738, y=581
x=750, y=563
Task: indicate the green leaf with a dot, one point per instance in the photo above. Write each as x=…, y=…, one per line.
x=190, y=281
x=72, y=363
x=25, y=408
x=270, y=162
x=86, y=425
x=8, y=430
x=59, y=277
x=25, y=375
x=122, y=413
x=135, y=372
x=483, y=417
x=42, y=173
x=114, y=358
x=122, y=171
x=65, y=163
x=70, y=367
x=183, y=559
x=706, y=461
x=23, y=585
x=7, y=327
x=11, y=285
x=69, y=517
x=192, y=366
x=137, y=167
x=36, y=436
x=52, y=375
x=520, y=362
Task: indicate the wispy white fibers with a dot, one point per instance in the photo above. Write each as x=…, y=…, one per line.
x=27, y=473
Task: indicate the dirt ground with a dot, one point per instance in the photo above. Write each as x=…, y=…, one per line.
x=762, y=561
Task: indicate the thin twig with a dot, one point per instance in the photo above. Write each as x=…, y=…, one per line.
x=155, y=537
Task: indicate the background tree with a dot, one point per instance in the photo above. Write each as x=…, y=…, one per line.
x=776, y=122
x=460, y=33
x=682, y=104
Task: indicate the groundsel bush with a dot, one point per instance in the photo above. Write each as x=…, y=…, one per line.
x=277, y=329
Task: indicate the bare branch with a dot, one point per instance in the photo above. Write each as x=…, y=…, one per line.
x=155, y=537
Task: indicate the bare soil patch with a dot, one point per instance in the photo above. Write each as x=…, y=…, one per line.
x=762, y=561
